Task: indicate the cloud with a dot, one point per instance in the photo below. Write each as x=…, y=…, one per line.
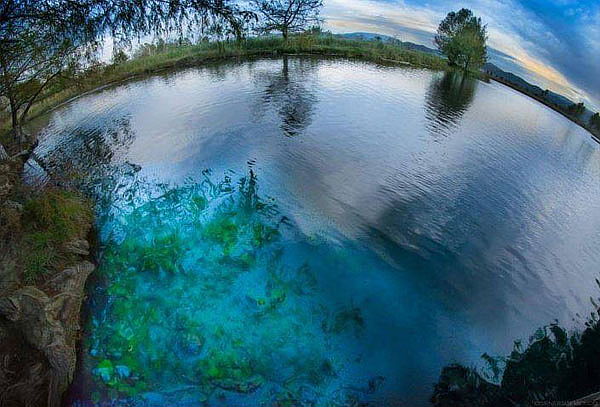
x=555, y=42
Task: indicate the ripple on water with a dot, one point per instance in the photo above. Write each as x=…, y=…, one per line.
x=405, y=220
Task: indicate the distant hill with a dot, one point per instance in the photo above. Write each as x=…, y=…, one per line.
x=552, y=97
x=388, y=39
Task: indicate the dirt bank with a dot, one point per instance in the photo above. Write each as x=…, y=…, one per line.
x=44, y=264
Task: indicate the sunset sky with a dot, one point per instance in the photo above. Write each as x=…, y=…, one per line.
x=552, y=43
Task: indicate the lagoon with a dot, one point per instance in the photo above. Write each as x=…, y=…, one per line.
x=302, y=231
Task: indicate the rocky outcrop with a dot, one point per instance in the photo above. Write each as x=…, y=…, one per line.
x=39, y=321
x=50, y=325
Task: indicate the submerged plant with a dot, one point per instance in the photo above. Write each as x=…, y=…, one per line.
x=200, y=296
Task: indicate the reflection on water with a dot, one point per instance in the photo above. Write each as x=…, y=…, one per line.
x=448, y=99
x=353, y=261
x=288, y=94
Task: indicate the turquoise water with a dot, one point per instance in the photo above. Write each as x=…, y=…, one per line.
x=314, y=232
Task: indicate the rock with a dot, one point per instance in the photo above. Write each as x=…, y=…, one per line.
x=14, y=206
x=6, y=186
x=39, y=325
x=80, y=247
x=49, y=324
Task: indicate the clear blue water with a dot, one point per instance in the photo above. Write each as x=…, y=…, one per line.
x=320, y=232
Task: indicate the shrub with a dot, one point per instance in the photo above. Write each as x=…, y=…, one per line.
x=51, y=219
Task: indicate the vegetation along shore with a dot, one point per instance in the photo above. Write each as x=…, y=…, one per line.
x=44, y=262
x=159, y=56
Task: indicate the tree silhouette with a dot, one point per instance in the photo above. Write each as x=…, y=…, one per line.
x=287, y=16
x=461, y=37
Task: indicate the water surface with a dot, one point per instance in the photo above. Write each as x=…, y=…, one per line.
x=314, y=232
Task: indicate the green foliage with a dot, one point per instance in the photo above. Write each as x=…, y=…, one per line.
x=50, y=220
x=119, y=57
x=229, y=370
x=199, y=296
x=61, y=213
x=462, y=38
x=223, y=231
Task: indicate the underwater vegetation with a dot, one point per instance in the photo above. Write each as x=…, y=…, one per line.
x=203, y=300
x=556, y=365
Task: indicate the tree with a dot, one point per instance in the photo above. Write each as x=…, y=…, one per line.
x=119, y=56
x=576, y=109
x=462, y=37
x=595, y=120
x=287, y=16
x=41, y=40
x=27, y=66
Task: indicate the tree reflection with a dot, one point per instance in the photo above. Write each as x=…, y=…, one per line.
x=447, y=100
x=286, y=92
x=555, y=364
x=92, y=151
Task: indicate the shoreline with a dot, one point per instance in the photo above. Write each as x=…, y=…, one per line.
x=184, y=56
x=46, y=258
x=228, y=58
x=595, y=136
x=154, y=60
x=200, y=61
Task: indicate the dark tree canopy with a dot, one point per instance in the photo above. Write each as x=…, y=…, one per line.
x=595, y=120
x=120, y=18
x=576, y=109
x=462, y=38
x=287, y=16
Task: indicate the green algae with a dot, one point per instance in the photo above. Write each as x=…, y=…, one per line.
x=200, y=295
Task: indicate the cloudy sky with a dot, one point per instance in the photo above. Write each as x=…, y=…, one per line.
x=553, y=43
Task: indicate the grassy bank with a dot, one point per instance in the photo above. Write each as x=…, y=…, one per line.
x=40, y=228
x=152, y=59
